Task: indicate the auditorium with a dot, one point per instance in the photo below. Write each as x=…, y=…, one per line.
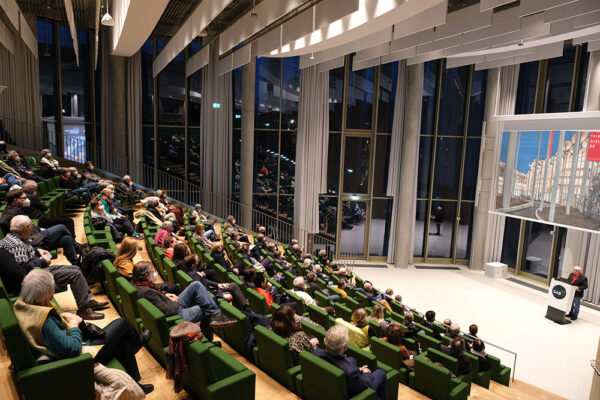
x=300, y=199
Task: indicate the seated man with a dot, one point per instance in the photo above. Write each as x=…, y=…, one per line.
x=197, y=217
x=91, y=177
x=311, y=277
x=55, y=237
x=6, y=169
x=300, y=290
x=194, y=304
x=228, y=291
x=297, y=251
x=117, y=224
x=428, y=323
x=19, y=165
x=49, y=164
x=17, y=258
x=357, y=378
x=69, y=181
x=130, y=191
x=453, y=331
x=37, y=210
x=229, y=226
x=9, y=180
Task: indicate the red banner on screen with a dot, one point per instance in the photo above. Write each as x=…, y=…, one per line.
x=594, y=147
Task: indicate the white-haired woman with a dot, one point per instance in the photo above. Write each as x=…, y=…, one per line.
x=357, y=378
x=59, y=335
x=166, y=230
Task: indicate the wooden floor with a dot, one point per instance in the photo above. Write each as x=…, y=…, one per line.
x=266, y=388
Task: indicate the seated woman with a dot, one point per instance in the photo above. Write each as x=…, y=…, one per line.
x=266, y=289
x=394, y=335
x=180, y=251
x=479, y=351
x=377, y=315
x=218, y=254
x=60, y=335
x=360, y=319
x=166, y=230
x=67, y=181
x=124, y=260
x=206, y=238
x=284, y=324
x=357, y=378
x=170, y=243
x=117, y=224
x=229, y=226
x=159, y=212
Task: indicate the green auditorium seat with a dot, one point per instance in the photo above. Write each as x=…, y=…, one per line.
x=499, y=373
x=182, y=279
x=129, y=297
x=154, y=319
x=351, y=303
x=40, y=381
x=482, y=378
x=321, y=298
x=273, y=356
x=235, y=335
x=257, y=302
x=428, y=342
x=450, y=363
x=343, y=312
x=320, y=316
x=391, y=355
x=111, y=274
x=435, y=381
x=215, y=375
x=321, y=380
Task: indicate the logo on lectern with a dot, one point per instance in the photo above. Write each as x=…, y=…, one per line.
x=559, y=292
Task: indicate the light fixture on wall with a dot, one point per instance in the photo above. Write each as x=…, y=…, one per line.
x=314, y=18
x=254, y=14
x=107, y=20
x=312, y=56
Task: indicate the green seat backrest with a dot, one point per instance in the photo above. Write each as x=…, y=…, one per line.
x=289, y=279
x=257, y=302
x=351, y=303
x=129, y=298
x=155, y=320
x=315, y=331
x=343, y=312
x=321, y=298
x=14, y=340
x=182, y=279
x=432, y=380
x=170, y=269
x=294, y=297
x=111, y=274
x=387, y=353
x=235, y=335
x=364, y=300
x=376, y=328
x=446, y=360
x=397, y=307
x=320, y=316
x=274, y=356
x=321, y=380
x=427, y=341
x=3, y=292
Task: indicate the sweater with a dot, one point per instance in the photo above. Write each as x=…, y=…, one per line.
x=159, y=300
x=47, y=331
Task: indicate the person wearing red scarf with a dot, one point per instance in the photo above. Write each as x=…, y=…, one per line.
x=576, y=278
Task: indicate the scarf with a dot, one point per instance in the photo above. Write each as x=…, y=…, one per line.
x=182, y=335
x=21, y=251
x=148, y=285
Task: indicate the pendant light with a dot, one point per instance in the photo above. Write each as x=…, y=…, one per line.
x=107, y=20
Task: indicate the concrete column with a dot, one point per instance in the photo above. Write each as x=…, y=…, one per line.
x=509, y=169
x=574, y=161
x=487, y=189
x=560, y=151
x=405, y=230
x=117, y=136
x=247, y=150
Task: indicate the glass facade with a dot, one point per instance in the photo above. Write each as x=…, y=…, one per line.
x=174, y=119
x=355, y=210
x=69, y=93
x=276, y=119
x=451, y=123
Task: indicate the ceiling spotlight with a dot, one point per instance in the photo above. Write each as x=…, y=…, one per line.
x=312, y=56
x=254, y=13
x=107, y=20
x=520, y=43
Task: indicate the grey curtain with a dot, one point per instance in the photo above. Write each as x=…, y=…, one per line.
x=216, y=135
x=590, y=263
x=20, y=102
x=134, y=116
x=311, y=148
x=396, y=155
x=105, y=102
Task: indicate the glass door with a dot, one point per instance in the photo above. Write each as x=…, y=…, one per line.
x=537, y=251
x=353, y=228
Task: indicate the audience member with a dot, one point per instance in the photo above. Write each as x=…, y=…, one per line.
x=266, y=289
x=341, y=286
x=180, y=251
x=218, y=254
x=197, y=217
x=169, y=243
x=28, y=258
x=67, y=181
x=394, y=335
x=59, y=335
x=357, y=378
x=117, y=224
x=129, y=191
x=20, y=165
x=37, y=210
x=473, y=330
x=360, y=319
x=428, y=323
x=124, y=260
x=49, y=164
x=229, y=226
x=479, y=350
x=457, y=350
x=378, y=315
x=284, y=324
x=91, y=177
x=165, y=231
x=411, y=328
x=205, y=238
x=9, y=180
x=194, y=304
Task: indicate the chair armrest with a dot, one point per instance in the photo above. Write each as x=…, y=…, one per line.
x=240, y=385
x=41, y=381
x=367, y=394
x=459, y=392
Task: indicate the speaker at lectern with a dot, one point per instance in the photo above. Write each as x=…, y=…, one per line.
x=560, y=300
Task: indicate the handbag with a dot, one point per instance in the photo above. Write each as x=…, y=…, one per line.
x=90, y=331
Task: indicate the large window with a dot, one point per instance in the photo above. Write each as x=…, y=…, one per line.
x=173, y=119
x=276, y=120
x=451, y=123
x=355, y=211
